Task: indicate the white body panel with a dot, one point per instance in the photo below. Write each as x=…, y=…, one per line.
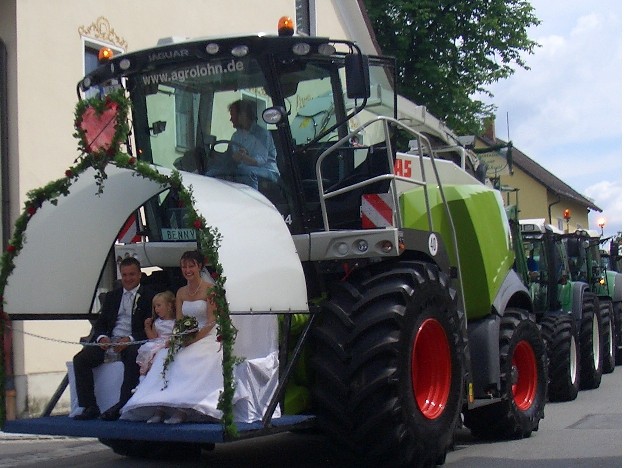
x=67, y=245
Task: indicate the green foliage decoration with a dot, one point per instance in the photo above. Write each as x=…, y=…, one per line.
x=98, y=156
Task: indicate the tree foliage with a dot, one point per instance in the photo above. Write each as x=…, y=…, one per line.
x=449, y=51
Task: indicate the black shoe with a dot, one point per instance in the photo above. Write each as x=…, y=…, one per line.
x=90, y=412
x=112, y=413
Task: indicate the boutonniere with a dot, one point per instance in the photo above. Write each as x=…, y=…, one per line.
x=136, y=302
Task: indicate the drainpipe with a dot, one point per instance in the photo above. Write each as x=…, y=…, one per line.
x=7, y=385
x=549, y=206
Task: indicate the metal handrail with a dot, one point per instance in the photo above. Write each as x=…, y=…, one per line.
x=423, y=143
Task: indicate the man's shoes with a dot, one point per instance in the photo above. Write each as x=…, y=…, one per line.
x=90, y=412
x=112, y=413
x=178, y=417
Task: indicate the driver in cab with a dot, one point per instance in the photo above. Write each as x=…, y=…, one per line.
x=251, y=149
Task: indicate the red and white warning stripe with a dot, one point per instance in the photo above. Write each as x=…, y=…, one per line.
x=130, y=231
x=376, y=210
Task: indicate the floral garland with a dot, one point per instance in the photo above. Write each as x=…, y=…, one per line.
x=101, y=127
x=184, y=328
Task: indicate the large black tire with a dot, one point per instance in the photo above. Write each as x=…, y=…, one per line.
x=523, y=362
x=388, y=365
x=617, y=316
x=564, y=366
x=589, y=341
x=608, y=337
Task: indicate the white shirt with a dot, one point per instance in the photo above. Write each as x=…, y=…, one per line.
x=123, y=326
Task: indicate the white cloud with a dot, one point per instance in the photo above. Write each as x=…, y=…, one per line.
x=608, y=196
x=565, y=113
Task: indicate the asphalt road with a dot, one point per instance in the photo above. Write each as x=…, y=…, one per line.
x=584, y=433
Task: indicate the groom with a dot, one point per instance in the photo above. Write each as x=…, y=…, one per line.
x=121, y=320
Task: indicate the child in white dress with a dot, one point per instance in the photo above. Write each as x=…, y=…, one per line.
x=158, y=329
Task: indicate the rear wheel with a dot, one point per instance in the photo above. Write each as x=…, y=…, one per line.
x=617, y=319
x=608, y=337
x=589, y=338
x=523, y=382
x=404, y=368
x=564, y=370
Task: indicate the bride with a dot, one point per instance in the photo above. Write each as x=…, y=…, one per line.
x=194, y=378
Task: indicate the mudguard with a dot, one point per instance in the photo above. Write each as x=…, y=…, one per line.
x=578, y=288
x=512, y=286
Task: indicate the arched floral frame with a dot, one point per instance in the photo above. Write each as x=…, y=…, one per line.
x=101, y=127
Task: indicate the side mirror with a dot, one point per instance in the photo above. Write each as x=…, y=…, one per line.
x=358, y=77
x=274, y=115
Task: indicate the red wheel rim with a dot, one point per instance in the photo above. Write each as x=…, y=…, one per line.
x=525, y=372
x=431, y=368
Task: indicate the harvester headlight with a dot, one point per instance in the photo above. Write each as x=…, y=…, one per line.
x=124, y=64
x=301, y=48
x=385, y=246
x=212, y=48
x=361, y=246
x=602, y=281
x=342, y=248
x=326, y=49
x=240, y=51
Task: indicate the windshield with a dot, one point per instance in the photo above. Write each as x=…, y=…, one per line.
x=184, y=112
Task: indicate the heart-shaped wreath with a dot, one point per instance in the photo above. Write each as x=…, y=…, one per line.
x=101, y=128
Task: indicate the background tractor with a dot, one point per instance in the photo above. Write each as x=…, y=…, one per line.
x=566, y=310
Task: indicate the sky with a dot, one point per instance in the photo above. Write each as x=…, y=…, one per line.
x=565, y=113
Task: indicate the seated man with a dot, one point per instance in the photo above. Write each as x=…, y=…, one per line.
x=252, y=151
x=121, y=321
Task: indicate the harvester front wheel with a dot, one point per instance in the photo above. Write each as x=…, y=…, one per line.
x=590, y=338
x=564, y=369
x=405, y=371
x=523, y=362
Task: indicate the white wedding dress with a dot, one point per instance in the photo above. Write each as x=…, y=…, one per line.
x=195, y=378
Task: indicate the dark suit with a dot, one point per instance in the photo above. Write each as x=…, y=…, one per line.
x=92, y=356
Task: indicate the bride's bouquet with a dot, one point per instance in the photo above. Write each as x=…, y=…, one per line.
x=184, y=330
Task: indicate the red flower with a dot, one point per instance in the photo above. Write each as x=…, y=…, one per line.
x=69, y=173
x=132, y=160
x=10, y=248
x=214, y=275
x=31, y=210
x=219, y=338
x=198, y=224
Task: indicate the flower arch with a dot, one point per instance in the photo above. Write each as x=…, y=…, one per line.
x=101, y=127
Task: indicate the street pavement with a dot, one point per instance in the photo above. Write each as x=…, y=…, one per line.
x=586, y=432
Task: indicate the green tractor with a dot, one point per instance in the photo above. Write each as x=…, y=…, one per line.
x=583, y=247
x=566, y=311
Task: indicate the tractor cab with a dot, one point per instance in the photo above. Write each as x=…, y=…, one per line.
x=583, y=247
x=547, y=263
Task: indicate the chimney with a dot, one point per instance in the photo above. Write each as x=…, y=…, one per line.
x=489, y=131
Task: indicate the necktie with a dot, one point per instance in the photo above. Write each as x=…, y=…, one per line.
x=127, y=302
